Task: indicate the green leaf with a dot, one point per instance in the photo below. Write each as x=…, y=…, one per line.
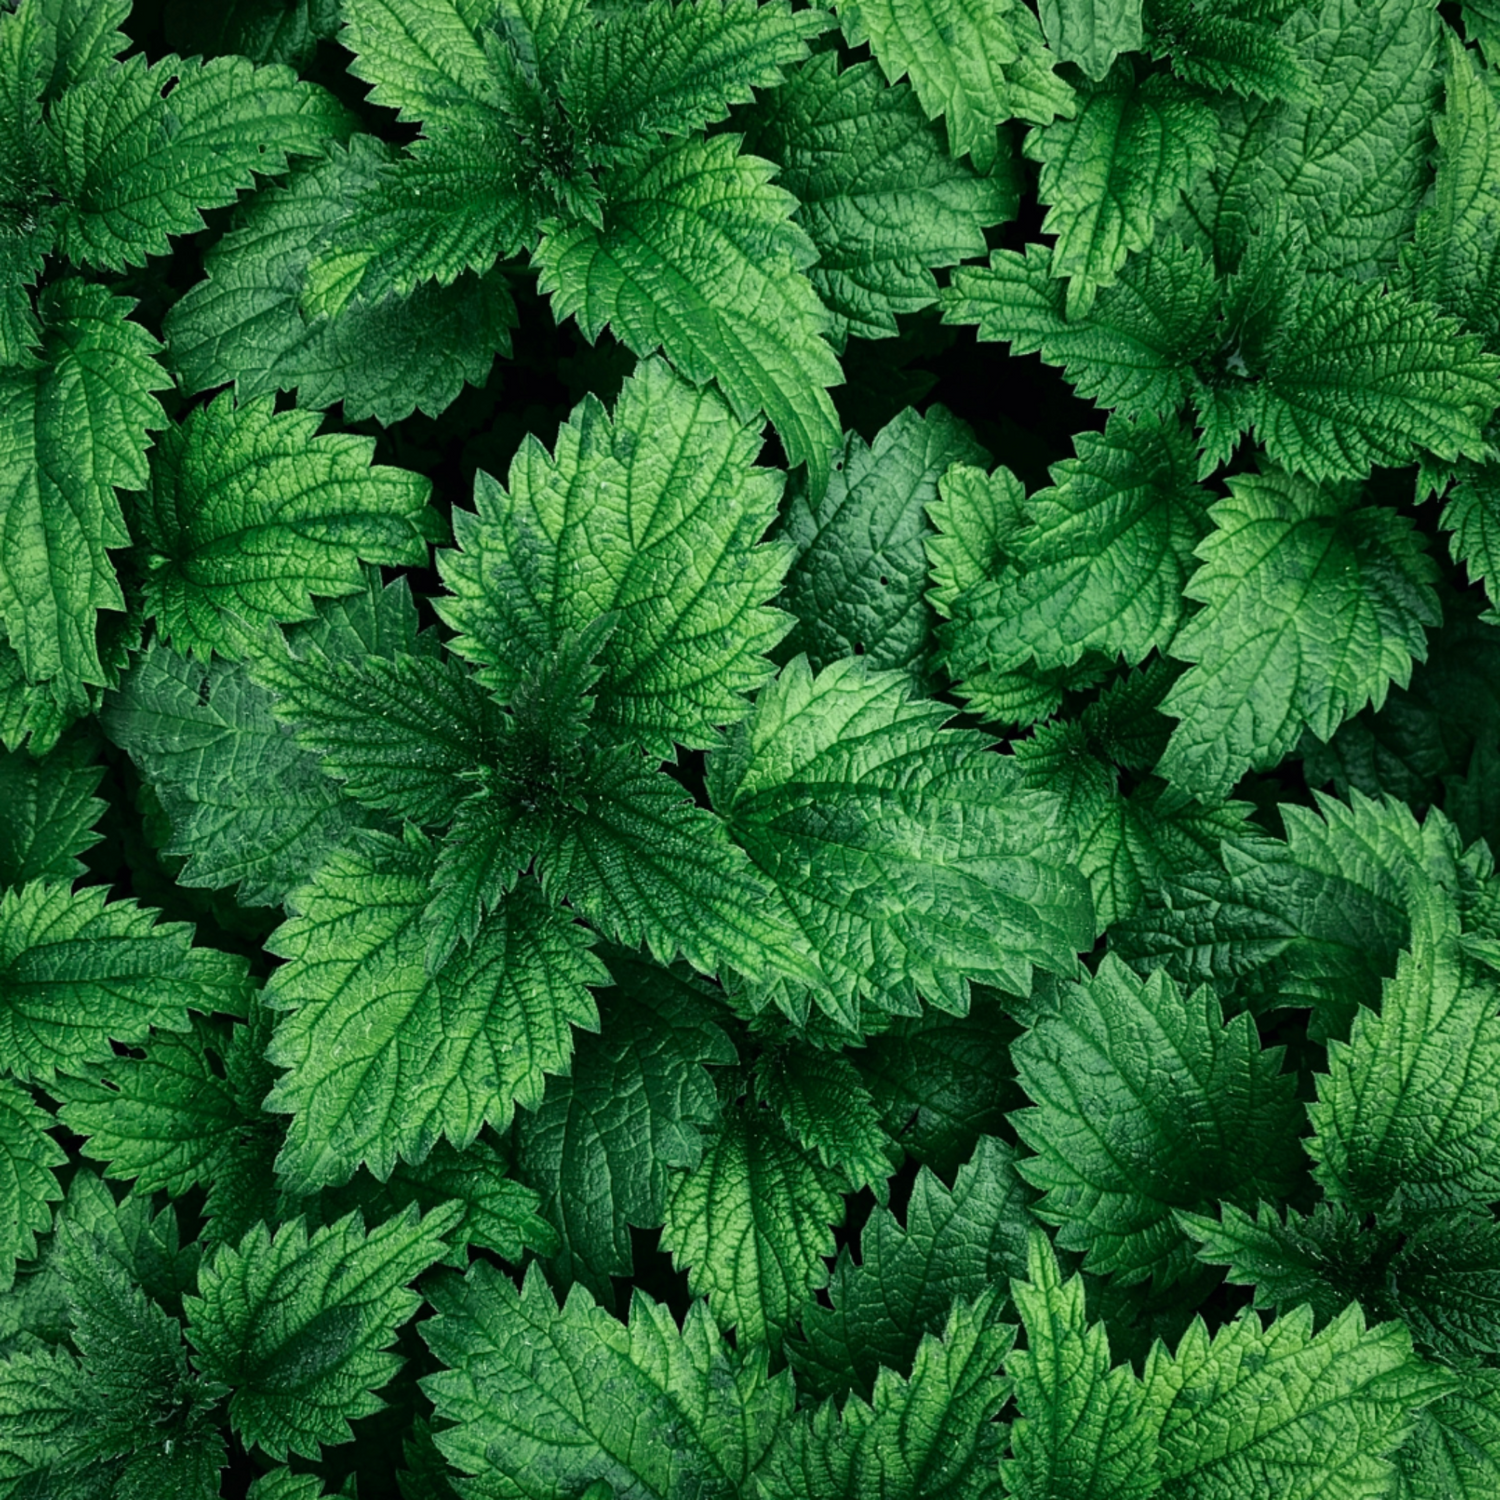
x=1284, y=1411
x=699, y=257
x=243, y=323
x=384, y=1057
x=250, y=28
x=823, y=1106
x=1115, y=170
x=424, y=57
x=604, y=1142
x=1250, y=53
x=77, y=974
x=50, y=813
x=652, y=514
x=930, y=1434
x=251, y=513
x=1454, y=1453
x=751, y=1224
x=135, y=167
x=28, y=1187
x=70, y=431
x=1134, y=350
x=882, y=200
x=1091, y=33
x=296, y=1325
x=1413, y=1098
x=1085, y=1430
x=955, y=1244
x=978, y=64
x=1472, y=514
x=83, y=40
x=1145, y=1101
x=859, y=571
x=1313, y=607
x=548, y=1400
x=664, y=68
x=1103, y=563
x=977, y=517
x=910, y=857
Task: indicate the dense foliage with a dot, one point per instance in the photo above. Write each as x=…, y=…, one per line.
x=749, y=751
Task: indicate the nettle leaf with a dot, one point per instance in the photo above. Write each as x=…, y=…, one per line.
x=1136, y=348
x=295, y=1324
x=77, y=974
x=930, y=1433
x=752, y=1222
x=652, y=514
x=51, y=811
x=699, y=257
x=1317, y=920
x=669, y=69
x=908, y=854
x=976, y=64
x=28, y=1188
x=244, y=323
x=882, y=200
x=72, y=429
x=1455, y=1448
x=1115, y=170
x=1145, y=1101
x=1084, y=1428
x=140, y=150
x=977, y=516
x=547, y=1399
x=956, y=1243
x=249, y=512
x=1284, y=1409
x=857, y=579
x=1412, y=1099
x=1103, y=562
x=603, y=1143
x=1091, y=33
x=1247, y=53
x=384, y=1057
x=246, y=804
x=823, y=1106
x=1314, y=606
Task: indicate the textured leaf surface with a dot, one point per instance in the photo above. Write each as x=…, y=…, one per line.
x=28, y=1188
x=50, y=813
x=1091, y=33
x=1145, y=1102
x=652, y=513
x=384, y=1057
x=1313, y=608
x=548, y=1399
x=296, y=1324
x=751, y=1224
x=701, y=259
x=249, y=511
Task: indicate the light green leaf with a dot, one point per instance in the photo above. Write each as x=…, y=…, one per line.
x=70, y=431
x=1412, y=1100
x=1091, y=33
x=653, y=514
x=881, y=198
x=51, y=811
x=251, y=513
x=1085, y=1429
x=751, y=1224
x=296, y=1324
x=1102, y=565
x=135, y=167
x=700, y=258
x=77, y=974
x=1145, y=1101
x=1115, y=170
x=909, y=855
x=1284, y=1411
x=859, y=571
x=384, y=1057
x=244, y=323
x=604, y=1141
x=548, y=1400
x=977, y=62
x=1313, y=607
x=930, y=1434
x=956, y=1243
x=424, y=57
